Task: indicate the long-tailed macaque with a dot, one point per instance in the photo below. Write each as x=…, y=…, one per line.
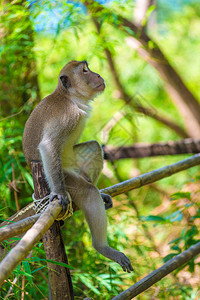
x=50, y=135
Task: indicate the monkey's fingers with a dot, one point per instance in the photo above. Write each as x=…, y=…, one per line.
x=52, y=196
x=66, y=202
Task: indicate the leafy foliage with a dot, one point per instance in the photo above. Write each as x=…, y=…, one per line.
x=38, y=38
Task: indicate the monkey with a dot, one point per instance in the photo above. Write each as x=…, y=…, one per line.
x=50, y=136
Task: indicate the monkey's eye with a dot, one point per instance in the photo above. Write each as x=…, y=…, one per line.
x=85, y=69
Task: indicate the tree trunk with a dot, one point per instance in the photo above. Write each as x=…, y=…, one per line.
x=60, y=283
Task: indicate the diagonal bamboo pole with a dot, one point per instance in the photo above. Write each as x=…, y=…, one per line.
x=152, y=176
x=158, y=274
x=19, y=227
x=32, y=236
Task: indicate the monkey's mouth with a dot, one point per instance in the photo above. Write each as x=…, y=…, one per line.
x=101, y=85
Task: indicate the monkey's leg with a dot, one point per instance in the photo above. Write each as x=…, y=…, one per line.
x=96, y=218
x=89, y=158
x=89, y=200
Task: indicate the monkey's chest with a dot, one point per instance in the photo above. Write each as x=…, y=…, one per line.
x=67, y=153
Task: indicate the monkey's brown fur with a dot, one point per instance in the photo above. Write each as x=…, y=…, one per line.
x=50, y=135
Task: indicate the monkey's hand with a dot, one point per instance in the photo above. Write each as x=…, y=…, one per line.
x=107, y=201
x=64, y=200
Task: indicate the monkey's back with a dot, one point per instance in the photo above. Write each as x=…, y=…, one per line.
x=50, y=108
x=33, y=132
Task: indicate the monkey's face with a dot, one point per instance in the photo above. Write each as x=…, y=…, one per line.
x=80, y=81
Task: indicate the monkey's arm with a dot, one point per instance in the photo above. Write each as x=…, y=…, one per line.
x=50, y=151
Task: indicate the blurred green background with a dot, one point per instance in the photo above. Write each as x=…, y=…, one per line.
x=37, y=38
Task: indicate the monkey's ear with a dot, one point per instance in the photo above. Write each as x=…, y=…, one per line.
x=65, y=81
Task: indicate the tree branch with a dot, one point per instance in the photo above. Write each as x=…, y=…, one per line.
x=145, y=150
x=162, y=119
x=136, y=105
x=150, y=51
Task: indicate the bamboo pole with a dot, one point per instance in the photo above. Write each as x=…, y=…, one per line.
x=158, y=274
x=152, y=176
x=32, y=236
x=19, y=227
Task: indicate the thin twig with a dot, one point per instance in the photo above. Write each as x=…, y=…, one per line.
x=15, y=187
x=11, y=288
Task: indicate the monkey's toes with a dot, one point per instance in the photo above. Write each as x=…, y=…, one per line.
x=107, y=201
x=125, y=263
x=63, y=200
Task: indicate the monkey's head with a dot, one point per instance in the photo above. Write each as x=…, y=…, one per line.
x=79, y=81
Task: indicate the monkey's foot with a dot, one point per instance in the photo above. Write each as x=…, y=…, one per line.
x=117, y=256
x=107, y=200
x=124, y=262
x=66, y=202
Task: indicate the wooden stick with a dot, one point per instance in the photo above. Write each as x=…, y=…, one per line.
x=158, y=274
x=60, y=283
x=152, y=176
x=17, y=228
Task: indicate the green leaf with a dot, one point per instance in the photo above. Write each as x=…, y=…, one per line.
x=51, y=261
x=85, y=280
x=29, y=179
x=180, y=195
x=169, y=256
x=153, y=218
x=148, y=13
x=178, y=218
x=37, y=269
x=27, y=269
